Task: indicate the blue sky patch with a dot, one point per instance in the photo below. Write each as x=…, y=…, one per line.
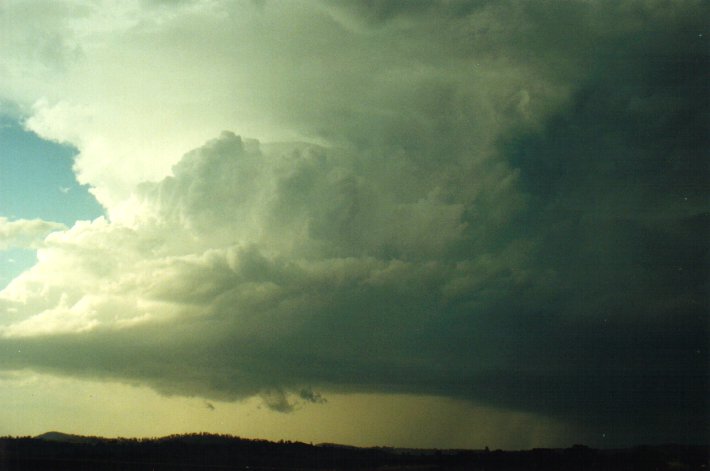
x=37, y=182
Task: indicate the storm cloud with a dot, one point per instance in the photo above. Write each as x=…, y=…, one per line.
x=502, y=202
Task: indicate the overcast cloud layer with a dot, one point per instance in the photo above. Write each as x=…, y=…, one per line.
x=503, y=202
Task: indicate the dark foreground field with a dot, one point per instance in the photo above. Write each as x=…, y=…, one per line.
x=55, y=451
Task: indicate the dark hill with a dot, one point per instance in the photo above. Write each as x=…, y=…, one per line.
x=66, y=438
x=59, y=451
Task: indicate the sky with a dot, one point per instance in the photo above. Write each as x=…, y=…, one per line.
x=444, y=223
x=38, y=195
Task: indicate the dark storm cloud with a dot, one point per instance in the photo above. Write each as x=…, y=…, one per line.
x=516, y=213
x=617, y=191
x=380, y=12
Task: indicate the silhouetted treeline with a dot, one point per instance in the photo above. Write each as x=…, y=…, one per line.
x=223, y=452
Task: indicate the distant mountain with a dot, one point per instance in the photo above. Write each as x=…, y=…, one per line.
x=338, y=445
x=66, y=438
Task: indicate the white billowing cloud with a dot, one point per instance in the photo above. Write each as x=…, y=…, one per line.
x=400, y=210
x=25, y=233
x=86, y=277
x=235, y=223
x=260, y=270
x=134, y=85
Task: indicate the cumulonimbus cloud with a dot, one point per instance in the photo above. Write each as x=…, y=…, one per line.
x=488, y=214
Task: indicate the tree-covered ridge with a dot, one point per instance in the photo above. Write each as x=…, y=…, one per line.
x=57, y=451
